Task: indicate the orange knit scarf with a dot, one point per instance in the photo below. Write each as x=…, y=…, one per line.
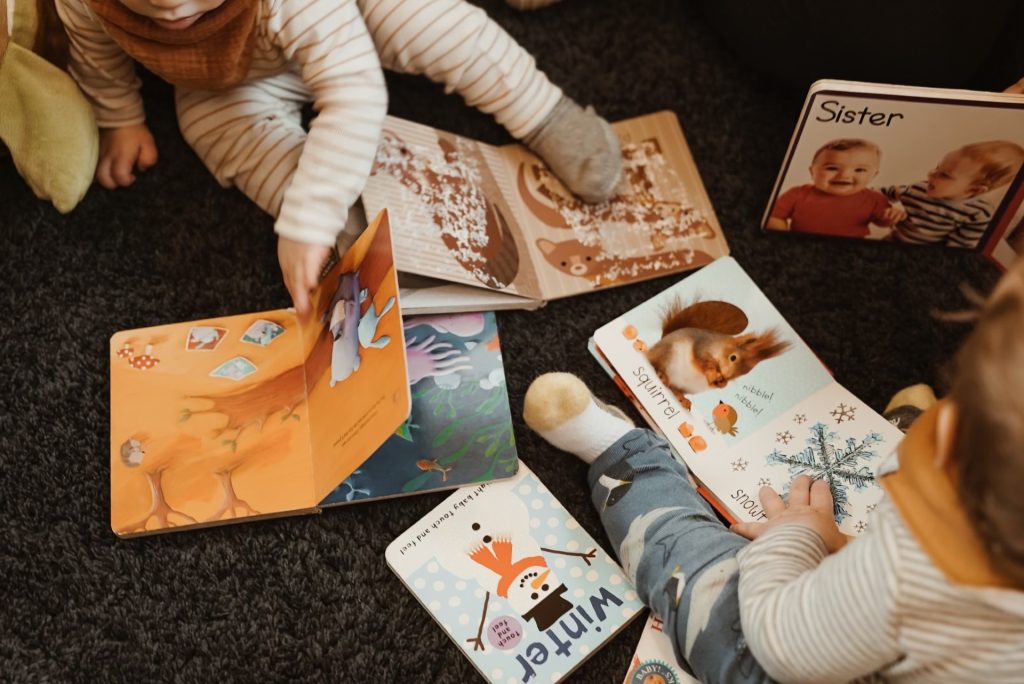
x=212, y=54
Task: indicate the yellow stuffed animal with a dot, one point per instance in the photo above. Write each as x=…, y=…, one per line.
x=45, y=121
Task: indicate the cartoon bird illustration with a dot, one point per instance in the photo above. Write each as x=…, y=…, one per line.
x=725, y=418
x=701, y=347
x=427, y=465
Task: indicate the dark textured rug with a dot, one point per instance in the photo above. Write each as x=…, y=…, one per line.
x=310, y=598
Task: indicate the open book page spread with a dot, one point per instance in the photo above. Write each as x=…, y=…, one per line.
x=653, y=661
x=910, y=165
x=514, y=580
x=495, y=217
x=459, y=430
x=742, y=399
x=253, y=415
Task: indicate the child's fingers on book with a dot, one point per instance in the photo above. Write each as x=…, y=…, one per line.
x=800, y=491
x=771, y=502
x=749, y=530
x=821, y=496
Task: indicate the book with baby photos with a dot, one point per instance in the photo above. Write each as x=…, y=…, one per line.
x=514, y=581
x=905, y=164
x=494, y=217
x=258, y=415
x=654, y=662
x=741, y=398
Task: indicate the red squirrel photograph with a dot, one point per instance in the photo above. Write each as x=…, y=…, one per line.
x=702, y=348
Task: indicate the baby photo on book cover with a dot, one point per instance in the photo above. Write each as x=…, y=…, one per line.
x=911, y=169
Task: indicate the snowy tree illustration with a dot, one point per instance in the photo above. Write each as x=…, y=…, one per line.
x=825, y=459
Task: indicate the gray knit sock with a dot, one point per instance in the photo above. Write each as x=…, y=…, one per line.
x=580, y=148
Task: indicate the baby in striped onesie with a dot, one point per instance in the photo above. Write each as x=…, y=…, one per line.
x=933, y=590
x=243, y=69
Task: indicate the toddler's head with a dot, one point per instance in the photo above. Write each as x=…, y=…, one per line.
x=174, y=14
x=975, y=169
x=845, y=166
x=988, y=447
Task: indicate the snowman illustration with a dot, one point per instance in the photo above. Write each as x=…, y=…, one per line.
x=494, y=548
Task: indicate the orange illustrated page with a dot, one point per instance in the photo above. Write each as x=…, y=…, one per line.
x=356, y=371
x=257, y=414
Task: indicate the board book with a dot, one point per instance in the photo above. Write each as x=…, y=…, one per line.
x=495, y=217
x=653, y=661
x=514, y=581
x=459, y=430
x=742, y=399
x=262, y=414
x=906, y=164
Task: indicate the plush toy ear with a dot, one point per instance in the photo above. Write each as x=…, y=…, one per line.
x=45, y=121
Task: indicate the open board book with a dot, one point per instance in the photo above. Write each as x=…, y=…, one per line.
x=459, y=430
x=906, y=164
x=742, y=399
x=653, y=661
x=259, y=414
x=495, y=217
x=514, y=580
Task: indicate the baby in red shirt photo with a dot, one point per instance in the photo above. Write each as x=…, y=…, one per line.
x=837, y=201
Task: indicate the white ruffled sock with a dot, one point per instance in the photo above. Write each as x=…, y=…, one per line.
x=560, y=408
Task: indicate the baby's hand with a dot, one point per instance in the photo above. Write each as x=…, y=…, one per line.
x=1017, y=88
x=121, y=151
x=810, y=505
x=893, y=215
x=301, y=264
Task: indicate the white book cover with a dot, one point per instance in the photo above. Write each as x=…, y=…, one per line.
x=653, y=661
x=514, y=580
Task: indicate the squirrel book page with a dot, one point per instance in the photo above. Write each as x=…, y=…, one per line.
x=718, y=370
x=513, y=579
x=245, y=416
x=496, y=217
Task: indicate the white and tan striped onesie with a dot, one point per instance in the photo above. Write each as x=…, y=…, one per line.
x=328, y=52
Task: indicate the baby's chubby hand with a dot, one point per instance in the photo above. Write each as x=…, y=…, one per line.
x=301, y=264
x=810, y=505
x=893, y=215
x=122, y=150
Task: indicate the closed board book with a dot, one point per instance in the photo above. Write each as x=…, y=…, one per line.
x=917, y=166
x=743, y=401
x=257, y=415
x=494, y=217
x=514, y=581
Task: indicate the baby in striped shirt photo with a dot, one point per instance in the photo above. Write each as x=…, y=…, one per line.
x=953, y=205
x=932, y=590
x=244, y=69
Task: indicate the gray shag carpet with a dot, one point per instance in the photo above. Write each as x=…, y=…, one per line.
x=311, y=598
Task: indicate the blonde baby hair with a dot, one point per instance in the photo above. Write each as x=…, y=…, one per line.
x=844, y=144
x=1000, y=161
x=988, y=390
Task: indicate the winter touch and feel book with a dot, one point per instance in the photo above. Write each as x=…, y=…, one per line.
x=514, y=580
x=743, y=401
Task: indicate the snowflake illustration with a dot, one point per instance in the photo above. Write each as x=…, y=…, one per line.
x=784, y=437
x=739, y=464
x=764, y=482
x=822, y=459
x=860, y=526
x=844, y=413
x=800, y=418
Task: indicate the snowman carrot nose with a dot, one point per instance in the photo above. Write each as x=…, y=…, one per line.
x=540, y=579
